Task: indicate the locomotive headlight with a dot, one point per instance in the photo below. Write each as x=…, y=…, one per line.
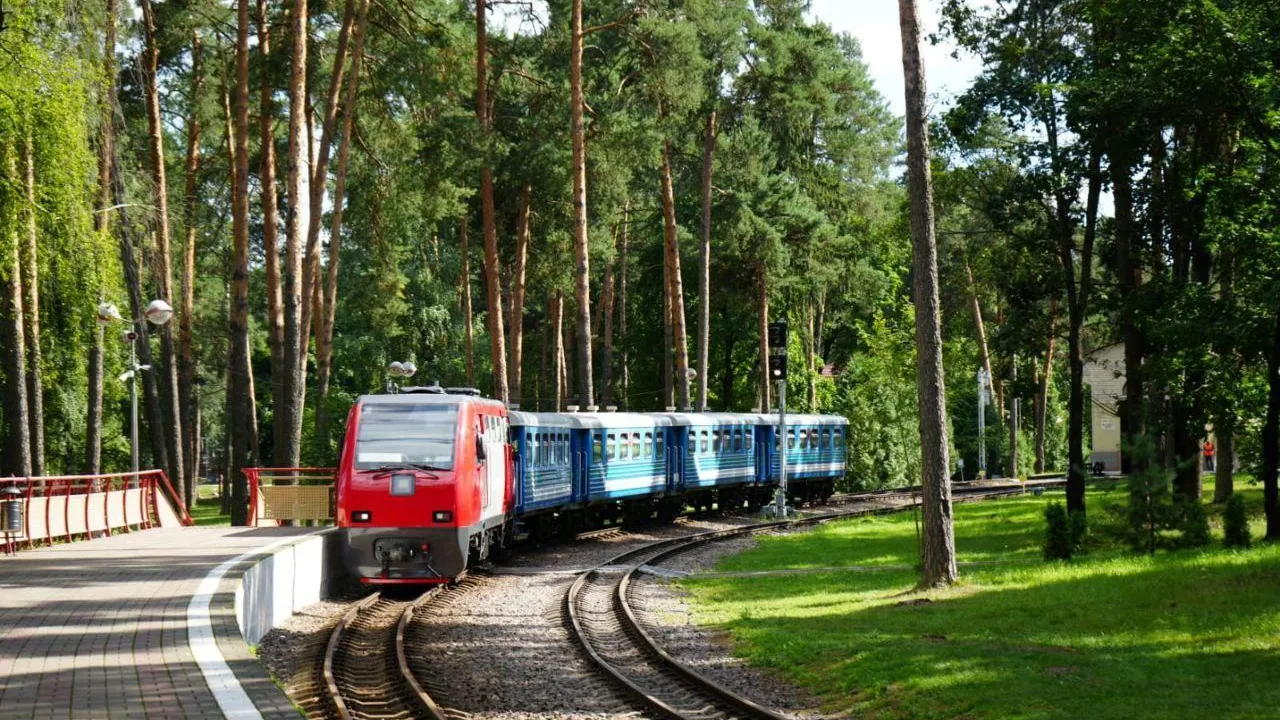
x=442, y=516
x=361, y=516
x=402, y=484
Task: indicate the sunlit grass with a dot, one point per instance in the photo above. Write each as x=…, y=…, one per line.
x=1112, y=635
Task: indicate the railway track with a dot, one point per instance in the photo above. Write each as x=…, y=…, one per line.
x=608, y=627
x=366, y=663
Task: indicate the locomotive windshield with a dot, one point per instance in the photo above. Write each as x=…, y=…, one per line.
x=406, y=434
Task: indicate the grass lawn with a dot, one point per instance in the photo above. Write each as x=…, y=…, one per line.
x=1184, y=634
x=208, y=510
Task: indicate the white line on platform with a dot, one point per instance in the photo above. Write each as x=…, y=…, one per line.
x=224, y=685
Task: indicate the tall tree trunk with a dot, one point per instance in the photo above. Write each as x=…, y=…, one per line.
x=270, y=221
x=102, y=225
x=810, y=356
x=289, y=414
x=668, y=343
x=939, y=551
x=492, y=281
x=319, y=181
x=515, y=370
x=464, y=300
x=163, y=269
x=1271, y=437
x=704, y=266
x=675, y=285
x=186, y=312
x=608, y=293
x=762, y=305
x=17, y=450
x=726, y=374
x=557, y=350
x=623, y=338
x=31, y=308
x=544, y=353
x=582, y=258
x=566, y=359
x=1129, y=267
x=1014, y=420
x=240, y=403
x=1225, y=423
x=329, y=307
x=1042, y=395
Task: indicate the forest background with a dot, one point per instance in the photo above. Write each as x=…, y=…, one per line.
x=579, y=208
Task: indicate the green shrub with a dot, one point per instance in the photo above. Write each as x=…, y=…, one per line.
x=1079, y=531
x=1235, y=523
x=1058, y=543
x=1149, y=507
x=1194, y=523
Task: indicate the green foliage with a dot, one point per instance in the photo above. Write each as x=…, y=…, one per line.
x=1235, y=523
x=1058, y=544
x=1150, y=507
x=1194, y=523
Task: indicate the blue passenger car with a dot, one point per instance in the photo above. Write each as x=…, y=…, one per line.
x=543, y=471
x=816, y=447
x=718, y=458
x=620, y=462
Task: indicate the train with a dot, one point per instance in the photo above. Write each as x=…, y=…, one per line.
x=432, y=480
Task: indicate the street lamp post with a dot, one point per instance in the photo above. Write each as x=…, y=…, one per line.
x=158, y=312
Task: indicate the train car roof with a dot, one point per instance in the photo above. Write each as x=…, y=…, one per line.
x=522, y=418
x=594, y=420
x=711, y=419
x=426, y=399
x=802, y=419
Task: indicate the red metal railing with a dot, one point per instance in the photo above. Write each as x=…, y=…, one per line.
x=88, y=504
x=260, y=476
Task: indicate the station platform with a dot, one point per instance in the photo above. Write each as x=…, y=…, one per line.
x=137, y=625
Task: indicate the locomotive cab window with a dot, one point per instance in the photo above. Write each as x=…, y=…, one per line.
x=403, y=434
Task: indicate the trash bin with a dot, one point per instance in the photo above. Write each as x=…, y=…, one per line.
x=11, y=519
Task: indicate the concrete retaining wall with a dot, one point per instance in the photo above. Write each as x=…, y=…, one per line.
x=290, y=578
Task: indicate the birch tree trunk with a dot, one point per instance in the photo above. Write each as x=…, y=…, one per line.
x=31, y=311
x=329, y=307
x=240, y=404
x=492, y=281
x=515, y=370
x=939, y=550
x=704, y=276
x=102, y=224
x=163, y=270
x=675, y=287
x=289, y=414
x=582, y=259
x=186, y=311
x=17, y=450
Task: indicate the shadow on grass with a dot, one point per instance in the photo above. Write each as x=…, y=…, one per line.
x=1181, y=636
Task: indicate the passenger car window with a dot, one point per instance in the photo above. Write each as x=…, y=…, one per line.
x=648, y=445
x=705, y=443
x=624, y=448
x=660, y=446
x=715, y=441
x=612, y=446
x=597, y=447
x=737, y=440
x=791, y=439
x=635, y=445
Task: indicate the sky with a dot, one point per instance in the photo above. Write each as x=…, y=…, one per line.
x=875, y=24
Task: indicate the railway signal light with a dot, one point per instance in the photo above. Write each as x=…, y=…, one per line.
x=778, y=367
x=778, y=350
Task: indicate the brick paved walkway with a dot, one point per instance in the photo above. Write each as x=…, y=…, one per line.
x=99, y=629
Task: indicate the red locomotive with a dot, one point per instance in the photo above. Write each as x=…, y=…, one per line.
x=424, y=485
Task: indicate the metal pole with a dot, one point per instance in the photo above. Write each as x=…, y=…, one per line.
x=133, y=404
x=982, y=423
x=782, y=449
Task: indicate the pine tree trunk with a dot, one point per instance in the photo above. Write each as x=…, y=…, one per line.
x=557, y=350
x=186, y=319
x=810, y=355
x=1129, y=276
x=31, y=310
x=608, y=293
x=938, y=565
x=17, y=449
x=676, y=282
x=704, y=266
x=102, y=224
x=516, y=326
x=582, y=259
x=1078, y=298
x=329, y=316
x=319, y=181
x=296, y=293
x=1014, y=420
x=464, y=300
x=625, y=360
x=762, y=306
x=270, y=222
x=1271, y=437
x=668, y=342
x=240, y=405
x=492, y=279
x=566, y=360
x=163, y=269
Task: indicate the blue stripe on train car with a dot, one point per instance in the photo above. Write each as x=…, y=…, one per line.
x=717, y=449
x=816, y=447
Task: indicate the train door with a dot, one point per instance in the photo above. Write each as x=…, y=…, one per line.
x=493, y=483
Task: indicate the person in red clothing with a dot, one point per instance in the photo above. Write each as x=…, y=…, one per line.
x=1208, y=455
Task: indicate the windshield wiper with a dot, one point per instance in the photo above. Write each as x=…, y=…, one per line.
x=408, y=466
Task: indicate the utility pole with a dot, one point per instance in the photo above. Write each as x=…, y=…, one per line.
x=984, y=384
